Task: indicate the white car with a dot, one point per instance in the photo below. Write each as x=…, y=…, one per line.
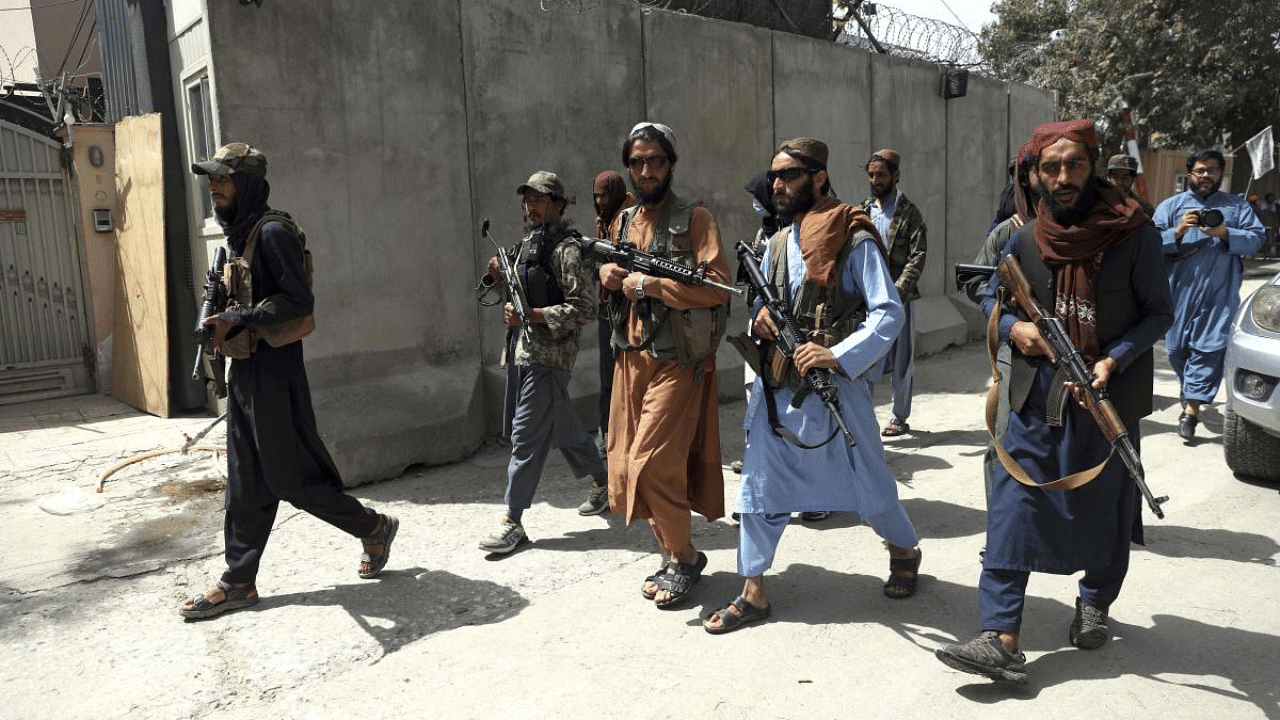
x=1251, y=419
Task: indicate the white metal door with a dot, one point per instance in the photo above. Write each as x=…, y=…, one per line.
x=44, y=346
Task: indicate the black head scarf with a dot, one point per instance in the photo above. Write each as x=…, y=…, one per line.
x=252, y=192
x=762, y=190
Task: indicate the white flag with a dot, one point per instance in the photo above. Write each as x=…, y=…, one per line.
x=1261, y=148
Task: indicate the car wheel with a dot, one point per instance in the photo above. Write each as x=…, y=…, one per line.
x=1249, y=449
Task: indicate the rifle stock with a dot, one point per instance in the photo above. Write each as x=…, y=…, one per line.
x=1067, y=356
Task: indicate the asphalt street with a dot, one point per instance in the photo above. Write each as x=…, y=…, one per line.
x=90, y=584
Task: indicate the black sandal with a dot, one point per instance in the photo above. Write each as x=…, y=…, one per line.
x=730, y=621
x=652, y=579
x=678, y=579
x=900, y=587
x=383, y=535
x=234, y=598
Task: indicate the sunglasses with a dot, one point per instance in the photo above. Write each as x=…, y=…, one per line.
x=788, y=174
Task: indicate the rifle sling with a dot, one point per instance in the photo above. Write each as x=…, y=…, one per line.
x=781, y=431
x=1070, y=482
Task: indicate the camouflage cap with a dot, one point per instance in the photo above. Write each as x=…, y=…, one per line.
x=544, y=182
x=233, y=158
x=1123, y=162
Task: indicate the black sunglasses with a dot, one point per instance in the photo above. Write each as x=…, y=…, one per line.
x=788, y=174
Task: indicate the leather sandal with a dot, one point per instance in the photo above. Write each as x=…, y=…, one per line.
x=895, y=428
x=730, y=621
x=234, y=597
x=678, y=579
x=900, y=587
x=371, y=563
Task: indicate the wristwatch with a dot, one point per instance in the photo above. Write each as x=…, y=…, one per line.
x=640, y=287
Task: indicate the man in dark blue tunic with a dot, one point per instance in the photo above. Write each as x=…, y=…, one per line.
x=1095, y=261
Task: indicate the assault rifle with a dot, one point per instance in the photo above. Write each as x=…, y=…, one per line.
x=514, y=290
x=789, y=337
x=214, y=300
x=1068, y=358
x=626, y=255
x=967, y=274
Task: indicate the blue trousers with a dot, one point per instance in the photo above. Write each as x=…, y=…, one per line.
x=1002, y=593
x=760, y=533
x=900, y=364
x=1199, y=373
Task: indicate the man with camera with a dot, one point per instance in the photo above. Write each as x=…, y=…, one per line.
x=1206, y=232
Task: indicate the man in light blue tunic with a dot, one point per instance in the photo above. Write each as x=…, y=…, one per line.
x=827, y=262
x=1203, y=252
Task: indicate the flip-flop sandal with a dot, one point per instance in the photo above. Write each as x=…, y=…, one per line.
x=903, y=585
x=234, y=598
x=386, y=533
x=679, y=580
x=730, y=621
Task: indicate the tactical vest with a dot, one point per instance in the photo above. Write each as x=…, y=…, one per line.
x=541, y=287
x=238, y=280
x=687, y=336
x=841, y=311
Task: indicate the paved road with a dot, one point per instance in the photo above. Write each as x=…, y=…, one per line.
x=89, y=629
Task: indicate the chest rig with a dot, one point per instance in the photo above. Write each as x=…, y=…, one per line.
x=238, y=280
x=534, y=266
x=828, y=314
x=687, y=336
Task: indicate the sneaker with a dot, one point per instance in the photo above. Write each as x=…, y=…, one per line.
x=985, y=655
x=736, y=466
x=509, y=537
x=597, y=502
x=1089, y=628
x=1187, y=426
x=815, y=515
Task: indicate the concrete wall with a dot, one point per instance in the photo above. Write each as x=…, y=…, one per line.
x=394, y=132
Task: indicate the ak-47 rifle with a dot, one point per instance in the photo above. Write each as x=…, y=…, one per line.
x=214, y=300
x=626, y=256
x=789, y=337
x=1068, y=358
x=511, y=281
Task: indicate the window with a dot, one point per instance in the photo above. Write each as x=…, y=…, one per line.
x=200, y=131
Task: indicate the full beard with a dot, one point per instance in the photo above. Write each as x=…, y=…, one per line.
x=1067, y=215
x=654, y=196
x=793, y=204
x=1206, y=188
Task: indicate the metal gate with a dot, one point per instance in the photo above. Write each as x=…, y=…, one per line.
x=44, y=347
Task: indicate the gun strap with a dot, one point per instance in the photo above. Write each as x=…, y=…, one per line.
x=1011, y=464
x=776, y=425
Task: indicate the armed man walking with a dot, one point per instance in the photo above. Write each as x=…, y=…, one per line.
x=539, y=356
x=664, y=427
x=274, y=451
x=826, y=265
x=902, y=227
x=1091, y=255
x=1206, y=232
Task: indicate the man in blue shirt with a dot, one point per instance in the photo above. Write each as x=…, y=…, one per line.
x=1205, y=233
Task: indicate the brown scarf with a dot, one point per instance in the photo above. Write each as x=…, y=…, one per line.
x=824, y=230
x=1080, y=248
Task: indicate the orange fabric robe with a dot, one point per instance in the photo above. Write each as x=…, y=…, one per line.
x=664, y=428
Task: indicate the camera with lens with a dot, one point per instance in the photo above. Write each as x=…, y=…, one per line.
x=1209, y=217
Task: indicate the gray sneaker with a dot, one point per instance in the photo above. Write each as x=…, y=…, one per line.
x=985, y=655
x=1089, y=628
x=509, y=537
x=597, y=502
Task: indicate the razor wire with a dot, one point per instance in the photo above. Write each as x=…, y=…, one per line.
x=912, y=36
